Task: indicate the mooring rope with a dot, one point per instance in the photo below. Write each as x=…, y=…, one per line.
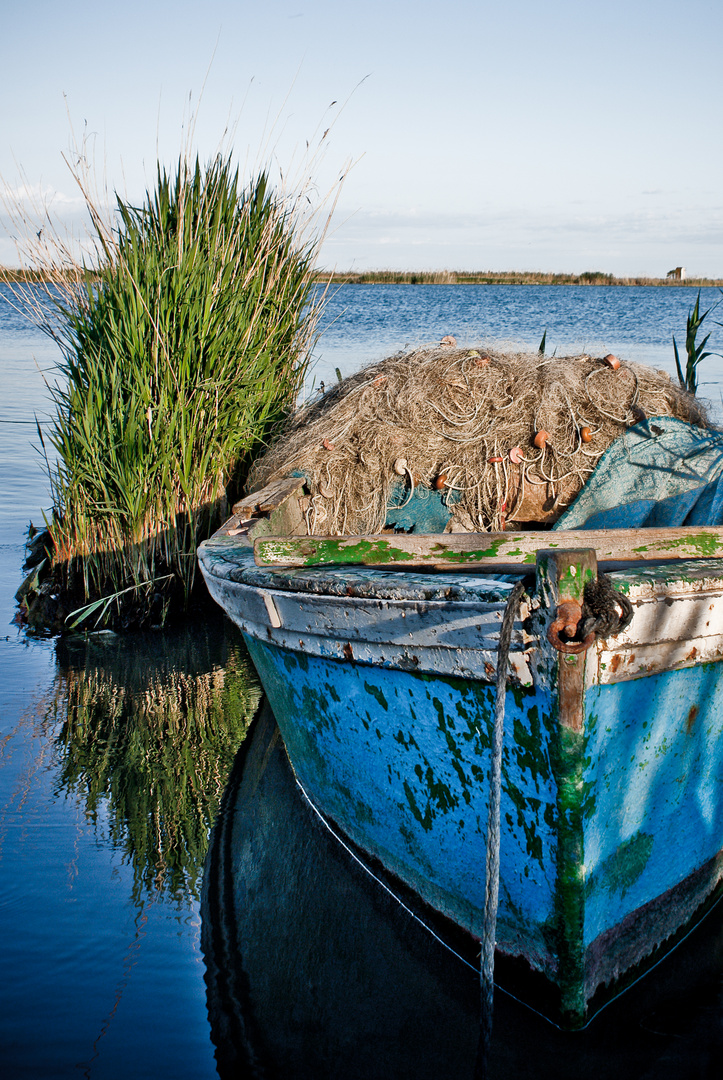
x=606, y=610
x=492, y=852
x=412, y=914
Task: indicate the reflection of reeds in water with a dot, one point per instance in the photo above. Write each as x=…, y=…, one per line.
x=148, y=730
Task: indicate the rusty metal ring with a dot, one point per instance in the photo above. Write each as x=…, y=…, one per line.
x=567, y=618
x=553, y=636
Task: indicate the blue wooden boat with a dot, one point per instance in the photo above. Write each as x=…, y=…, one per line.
x=313, y=971
x=382, y=681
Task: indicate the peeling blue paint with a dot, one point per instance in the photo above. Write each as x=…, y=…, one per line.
x=414, y=758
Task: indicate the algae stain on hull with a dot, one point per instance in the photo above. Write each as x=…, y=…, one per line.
x=377, y=694
x=619, y=871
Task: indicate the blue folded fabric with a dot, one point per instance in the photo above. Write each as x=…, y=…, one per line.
x=662, y=472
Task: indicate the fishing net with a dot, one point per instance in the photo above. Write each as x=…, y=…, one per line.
x=484, y=440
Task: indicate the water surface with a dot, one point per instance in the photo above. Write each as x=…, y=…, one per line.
x=115, y=752
x=367, y=322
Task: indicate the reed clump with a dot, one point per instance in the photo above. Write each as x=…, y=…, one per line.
x=506, y=439
x=184, y=338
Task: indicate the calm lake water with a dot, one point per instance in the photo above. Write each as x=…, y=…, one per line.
x=115, y=754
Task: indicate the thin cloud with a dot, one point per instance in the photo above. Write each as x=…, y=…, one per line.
x=39, y=195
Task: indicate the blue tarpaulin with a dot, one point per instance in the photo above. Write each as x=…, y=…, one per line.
x=662, y=472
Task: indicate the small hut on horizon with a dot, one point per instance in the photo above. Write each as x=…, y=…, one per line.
x=676, y=275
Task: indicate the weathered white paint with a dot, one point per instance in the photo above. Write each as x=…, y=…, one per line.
x=435, y=637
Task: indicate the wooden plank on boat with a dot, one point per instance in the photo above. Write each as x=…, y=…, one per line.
x=269, y=498
x=488, y=550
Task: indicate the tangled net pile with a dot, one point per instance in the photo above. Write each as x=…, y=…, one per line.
x=507, y=437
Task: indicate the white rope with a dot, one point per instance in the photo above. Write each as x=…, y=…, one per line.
x=492, y=852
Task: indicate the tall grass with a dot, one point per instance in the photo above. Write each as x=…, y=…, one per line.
x=695, y=350
x=184, y=339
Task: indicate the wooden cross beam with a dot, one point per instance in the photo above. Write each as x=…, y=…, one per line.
x=488, y=551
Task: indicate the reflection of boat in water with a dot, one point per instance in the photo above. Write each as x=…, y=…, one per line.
x=383, y=686
x=304, y=955
x=315, y=971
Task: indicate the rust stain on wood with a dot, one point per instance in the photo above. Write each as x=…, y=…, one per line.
x=571, y=686
x=562, y=575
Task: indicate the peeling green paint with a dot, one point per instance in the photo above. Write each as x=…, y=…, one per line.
x=407, y=741
x=377, y=693
x=569, y=894
x=463, y=781
x=530, y=747
x=704, y=545
x=425, y=820
x=438, y=793
x=340, y=551
x=572, y=582
x=533, y=841
x=314, y=708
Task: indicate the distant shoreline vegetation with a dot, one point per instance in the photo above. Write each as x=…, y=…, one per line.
x=12, y=275
x=505, y=277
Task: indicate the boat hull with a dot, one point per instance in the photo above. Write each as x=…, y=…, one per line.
x=611, y=813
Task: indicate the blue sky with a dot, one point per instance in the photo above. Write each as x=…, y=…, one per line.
x=526, y=135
